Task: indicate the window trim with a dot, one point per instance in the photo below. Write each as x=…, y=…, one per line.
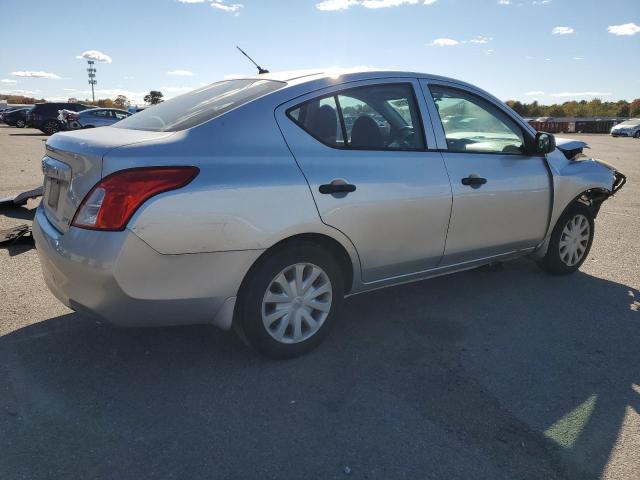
x=526, y=135
x=335, y=95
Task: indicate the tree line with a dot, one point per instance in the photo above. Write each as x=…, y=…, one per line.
x=582, y=108
x=153, y=97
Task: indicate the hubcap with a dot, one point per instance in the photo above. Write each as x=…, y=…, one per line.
x=574, y=240
x=296, y=303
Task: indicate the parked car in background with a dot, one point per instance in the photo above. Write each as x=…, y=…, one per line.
x=44, y=116
x=11, y=109
x=629, y=128
x=17, y=117
x=250, y=203
x=91, y=118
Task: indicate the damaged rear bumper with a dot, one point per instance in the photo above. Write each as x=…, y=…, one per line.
x=117, y=277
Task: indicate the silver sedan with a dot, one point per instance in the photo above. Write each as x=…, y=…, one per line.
x=260, y=203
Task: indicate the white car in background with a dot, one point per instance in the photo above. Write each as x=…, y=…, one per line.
x=629, y=128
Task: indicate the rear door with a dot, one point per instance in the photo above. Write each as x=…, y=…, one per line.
x=501, y=193
x=363, y=150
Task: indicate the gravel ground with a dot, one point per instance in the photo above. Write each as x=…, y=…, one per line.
x=500, y=373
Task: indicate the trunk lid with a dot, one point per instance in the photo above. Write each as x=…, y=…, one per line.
x=72, y=165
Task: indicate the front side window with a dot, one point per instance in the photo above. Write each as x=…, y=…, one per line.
x=473, y=125
x=121, y=115
x=376, y=117
x=199, y=106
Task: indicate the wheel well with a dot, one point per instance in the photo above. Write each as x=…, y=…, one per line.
x=337, y=250
x=592, y=199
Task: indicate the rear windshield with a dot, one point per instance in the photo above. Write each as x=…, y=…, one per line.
x=197, y=107
x=630, y=123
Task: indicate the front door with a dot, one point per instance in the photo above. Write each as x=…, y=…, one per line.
x=501, y=193
x=364, y=153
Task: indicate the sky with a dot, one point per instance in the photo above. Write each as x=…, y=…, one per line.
x=546, y=50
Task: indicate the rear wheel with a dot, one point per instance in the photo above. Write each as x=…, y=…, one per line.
x=289, y=302
x=637, y=134
x=570, y=241
x=50, y=127
x=21, y=124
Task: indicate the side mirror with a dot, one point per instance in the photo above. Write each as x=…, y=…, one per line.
x=545, y=143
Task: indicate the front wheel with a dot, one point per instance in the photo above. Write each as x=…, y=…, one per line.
x=637, y=134
x=570, y=241
x=21, y=124
x=288, y=304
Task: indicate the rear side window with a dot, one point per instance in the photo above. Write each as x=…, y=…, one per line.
x=376, y=117
x=199, y=106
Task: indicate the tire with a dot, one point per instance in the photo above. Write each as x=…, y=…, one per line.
x=570, y=241
x=637, y=134
x=293, y=323
x=21, y=124
x=50, y=127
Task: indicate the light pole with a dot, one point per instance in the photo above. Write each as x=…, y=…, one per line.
x=92, y=78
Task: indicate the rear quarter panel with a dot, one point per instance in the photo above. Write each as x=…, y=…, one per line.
x=249, y=194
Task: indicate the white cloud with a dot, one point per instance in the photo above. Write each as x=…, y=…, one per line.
x=191, y=1
x=96, y=56
x=443, y=42
x=625, y=29
x=504, y=2
x=481, y=39
x=541, y=2
x=180, y=73
x=582, y=94
x=562, y=30
x=489, y=51
x=227, y=7
x=386, y=3
x=577, y=58
x=26, y=93
x=534, y=93
x=28, y=73
x=334, y=5
x=8, y=80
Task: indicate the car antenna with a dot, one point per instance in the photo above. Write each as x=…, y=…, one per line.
x=260, y=69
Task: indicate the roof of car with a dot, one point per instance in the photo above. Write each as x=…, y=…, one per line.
x=356, y=73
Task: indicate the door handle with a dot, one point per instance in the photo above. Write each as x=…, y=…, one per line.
x=473, y=181
x=328, y=188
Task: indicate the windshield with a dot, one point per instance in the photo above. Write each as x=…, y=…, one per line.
x=199, y=106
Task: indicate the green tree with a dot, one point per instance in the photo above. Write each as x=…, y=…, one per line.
x=121, y=102
x=153, y=97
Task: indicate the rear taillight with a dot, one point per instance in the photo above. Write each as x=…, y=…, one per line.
x=113, y=200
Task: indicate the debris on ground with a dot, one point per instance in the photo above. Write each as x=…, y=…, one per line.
x=21, y=198
x=15, y=234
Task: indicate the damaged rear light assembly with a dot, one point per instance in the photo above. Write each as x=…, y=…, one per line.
x=111, y=203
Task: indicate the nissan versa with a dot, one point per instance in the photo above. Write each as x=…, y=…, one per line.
x=259, y=203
